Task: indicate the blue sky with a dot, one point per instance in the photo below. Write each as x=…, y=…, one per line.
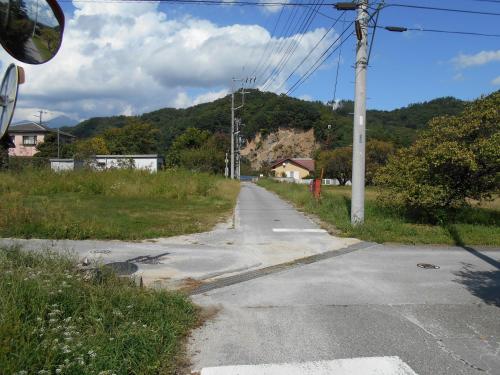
x=180, y=55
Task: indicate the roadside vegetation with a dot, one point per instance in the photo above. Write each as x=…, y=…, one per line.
x=470, y=226
x=114, y=204
x=54, y=319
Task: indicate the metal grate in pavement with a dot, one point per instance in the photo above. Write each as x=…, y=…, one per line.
x=250, y=275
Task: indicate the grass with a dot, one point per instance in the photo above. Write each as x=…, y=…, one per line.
x=115, y=204
x=473, y=226
x=54, y=319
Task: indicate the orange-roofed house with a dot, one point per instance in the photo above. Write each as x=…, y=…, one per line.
x=297, y=168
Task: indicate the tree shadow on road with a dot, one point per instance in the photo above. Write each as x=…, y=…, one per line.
x=482, y=284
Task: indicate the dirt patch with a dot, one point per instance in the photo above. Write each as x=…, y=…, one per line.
x=189, y=284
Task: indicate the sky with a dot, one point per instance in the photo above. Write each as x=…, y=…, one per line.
x=120, y=58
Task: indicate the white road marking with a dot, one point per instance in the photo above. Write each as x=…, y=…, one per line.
x=298, y=230
x=351, y=366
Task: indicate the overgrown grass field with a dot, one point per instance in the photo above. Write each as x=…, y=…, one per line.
x=115, y=204
x=54, y=319
x=472, y=226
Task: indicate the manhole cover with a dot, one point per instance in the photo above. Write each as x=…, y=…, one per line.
x=122, y=268
x=428, y=266
x=100, y=251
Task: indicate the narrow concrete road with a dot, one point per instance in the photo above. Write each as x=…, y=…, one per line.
x=373, y=302
x=265, y=231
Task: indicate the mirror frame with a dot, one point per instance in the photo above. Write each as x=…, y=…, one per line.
x=59, y=14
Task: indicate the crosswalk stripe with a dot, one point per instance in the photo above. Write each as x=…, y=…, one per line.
x=350, y=366
x=298, y=230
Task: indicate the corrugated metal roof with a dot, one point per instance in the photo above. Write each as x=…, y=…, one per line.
x=33, y=127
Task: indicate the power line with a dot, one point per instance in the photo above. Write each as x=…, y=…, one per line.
x=440, y=9
x=439, y=31
x=337, y=72
x=202, y=2
x=292, y=47
x=257, y=67
x=281, y=43
x=312, y=50
x=315, y=67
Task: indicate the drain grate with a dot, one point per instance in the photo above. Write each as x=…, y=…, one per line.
x=428, y=266
x=100, y=251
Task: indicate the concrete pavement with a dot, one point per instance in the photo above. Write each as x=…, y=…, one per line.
x=263, y=232
x=373, y=302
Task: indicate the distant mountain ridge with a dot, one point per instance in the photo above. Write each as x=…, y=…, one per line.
x=266, y=112
x=61, y=121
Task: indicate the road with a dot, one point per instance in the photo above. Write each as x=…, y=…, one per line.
x=349, y=307
x=264, y=231
x=372, y=302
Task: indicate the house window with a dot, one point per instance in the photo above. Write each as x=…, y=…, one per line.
x=29, y=140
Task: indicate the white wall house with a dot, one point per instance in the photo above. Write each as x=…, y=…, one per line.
x=150, y=163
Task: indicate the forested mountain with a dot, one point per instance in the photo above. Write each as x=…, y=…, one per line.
x=265, y=112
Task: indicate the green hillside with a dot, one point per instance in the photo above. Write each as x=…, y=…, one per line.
x=266, y=112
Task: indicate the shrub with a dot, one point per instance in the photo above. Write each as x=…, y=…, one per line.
x=456, y=159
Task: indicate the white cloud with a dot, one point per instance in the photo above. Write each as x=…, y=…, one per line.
x=306, y=97
x=496, y=81
x=480, y=58
x=120, y=58
x=458, y=77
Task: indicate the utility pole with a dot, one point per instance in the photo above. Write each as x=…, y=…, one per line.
x=232, y=130
x=236, y=122
x=359, y=131
x=58, y=152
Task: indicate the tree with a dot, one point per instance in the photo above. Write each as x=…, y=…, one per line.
x=88, y=147
x=456, y=159
x=4, y=152
x=136, y=137
x=48, y=148
x=197, y=150
x=377, y=154
x=336, y=164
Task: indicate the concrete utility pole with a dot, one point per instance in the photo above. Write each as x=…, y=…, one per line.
x=359, y=131
x=232, y=131
x=235, y=132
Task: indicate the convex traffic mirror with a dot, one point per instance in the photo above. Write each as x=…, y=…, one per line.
x=13, y=77
x=31, y=30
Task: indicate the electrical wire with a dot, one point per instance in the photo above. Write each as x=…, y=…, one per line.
x=445, y=31
x=315, y=66
x=312, y=50
x=257, y=67
x=440, y=9
x=202, y=2
x=337, y=72
x=293, y=44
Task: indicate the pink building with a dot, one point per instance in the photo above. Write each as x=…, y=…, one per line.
x=26, y=135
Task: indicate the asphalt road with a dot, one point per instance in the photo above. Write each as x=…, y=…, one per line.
x=373, y=302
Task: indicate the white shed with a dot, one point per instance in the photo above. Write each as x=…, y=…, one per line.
x=61, y=165
x=151, y=162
